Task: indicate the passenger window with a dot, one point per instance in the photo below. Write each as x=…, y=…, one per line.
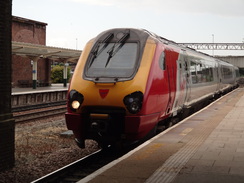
x=193, y=72
x=162, y=61
x=207, y=73
x=199, y=73
x=226, y=72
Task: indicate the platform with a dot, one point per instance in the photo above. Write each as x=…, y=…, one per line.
x=53, y=87
x=28, y=96
x=205, y=147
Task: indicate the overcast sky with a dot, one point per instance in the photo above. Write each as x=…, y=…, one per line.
x=71, y=23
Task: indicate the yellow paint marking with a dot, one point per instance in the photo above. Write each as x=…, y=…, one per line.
x=148, y=151
x=186, y=131
x=99, y=116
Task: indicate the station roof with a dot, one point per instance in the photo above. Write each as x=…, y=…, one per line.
x=41, y=51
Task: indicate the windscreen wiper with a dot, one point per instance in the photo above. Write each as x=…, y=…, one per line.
x=119, y=44
x=95, y=53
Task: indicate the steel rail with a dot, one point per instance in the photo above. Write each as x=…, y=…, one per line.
x=38, y=106
x=62, y=172
x=39, y=114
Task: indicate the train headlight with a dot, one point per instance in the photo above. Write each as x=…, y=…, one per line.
x=133, y=102
x=75, y=104
x=75, y=100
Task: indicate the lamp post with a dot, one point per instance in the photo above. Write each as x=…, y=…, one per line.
x=213, y=44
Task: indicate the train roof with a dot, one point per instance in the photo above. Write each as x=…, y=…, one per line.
x=172, y=43
x=161, y=39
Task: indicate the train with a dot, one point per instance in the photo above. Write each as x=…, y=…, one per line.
x=130, y=82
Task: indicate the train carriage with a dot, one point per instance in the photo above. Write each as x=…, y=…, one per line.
x=128, y=81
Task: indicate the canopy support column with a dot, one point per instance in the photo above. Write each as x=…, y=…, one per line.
x=65, y=74
x=34, y=72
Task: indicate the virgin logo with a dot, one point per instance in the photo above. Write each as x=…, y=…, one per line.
x=103, y=92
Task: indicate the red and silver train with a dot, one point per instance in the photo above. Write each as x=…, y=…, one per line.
x=128, y=81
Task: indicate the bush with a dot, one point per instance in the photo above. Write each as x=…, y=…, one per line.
x=57, y=74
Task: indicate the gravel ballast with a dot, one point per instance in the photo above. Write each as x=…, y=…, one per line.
x=40, y=149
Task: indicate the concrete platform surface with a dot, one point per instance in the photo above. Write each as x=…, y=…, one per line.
x=207, y=147
x=53, y=87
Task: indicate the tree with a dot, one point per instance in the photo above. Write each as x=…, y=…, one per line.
x=57, y=74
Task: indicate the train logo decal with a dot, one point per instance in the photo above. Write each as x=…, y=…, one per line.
x=103, y=92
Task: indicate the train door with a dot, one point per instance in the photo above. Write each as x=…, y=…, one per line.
x=218, y=80
x=170, y=82
x=181, y=82
x=187, y=76
x=171, y=66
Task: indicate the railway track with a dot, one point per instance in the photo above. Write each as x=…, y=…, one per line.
x=28, y=113
x=82, y=168
x=37, y=106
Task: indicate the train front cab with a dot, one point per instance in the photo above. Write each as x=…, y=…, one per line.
x=103, y=95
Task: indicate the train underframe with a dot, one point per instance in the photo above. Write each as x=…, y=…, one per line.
x=109, y=126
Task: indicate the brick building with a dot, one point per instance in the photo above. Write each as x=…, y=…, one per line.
x=34, y=32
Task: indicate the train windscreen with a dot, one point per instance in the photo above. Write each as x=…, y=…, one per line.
x=114, y=60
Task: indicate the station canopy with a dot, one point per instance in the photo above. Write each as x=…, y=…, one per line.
x=41, y=51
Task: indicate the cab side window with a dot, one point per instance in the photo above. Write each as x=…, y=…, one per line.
x=162, y=61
